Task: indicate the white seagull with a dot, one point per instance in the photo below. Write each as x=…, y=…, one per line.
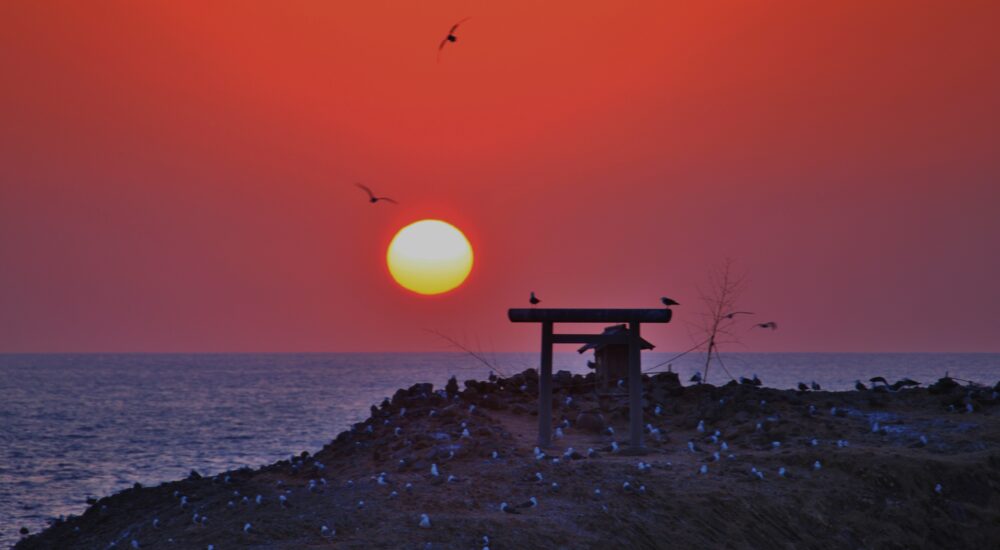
x=425, y=522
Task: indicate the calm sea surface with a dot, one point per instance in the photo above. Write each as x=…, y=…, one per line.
x=73, y=426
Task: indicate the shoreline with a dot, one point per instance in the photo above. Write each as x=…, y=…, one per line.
x=883, y=473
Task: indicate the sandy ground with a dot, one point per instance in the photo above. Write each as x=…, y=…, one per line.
x=856, y=474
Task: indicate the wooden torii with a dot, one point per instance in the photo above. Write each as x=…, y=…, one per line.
x=634, y=318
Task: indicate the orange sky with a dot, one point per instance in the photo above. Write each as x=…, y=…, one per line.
x=178, y=176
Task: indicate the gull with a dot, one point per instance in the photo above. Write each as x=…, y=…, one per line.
x=465, y=433
x=696, y=377
x=814, y=442
x=938, y=488
x=691, y=447
x=591, y=453
x=568, y=452
x=781, y=471
x=246, y=500
x=495, y=455
x=533, y=299
x=770, y=324
x=246, y=528
x=817, y=465
x=381, y=479
x=402, y=412
x=703, y=470
x=756, y=473
x=923, y=440
x=609, y=430
x=397, y=431
x=597, y=492
x=841, y=443
x=325, y=531
x=531, y=503
x=803, y=386
x=472, y=408
x=505, y=508
x=452, y=478
x=259, y=499
x=657, y=410
x=156, y=523
x=814, y=386
x=350, y=483
x=775, y=444
x=184, y=501
x=538, y=476
x=859, y=386
x=559, y=433
x=626, y=486
x=393, y=494
x=643, y=466
x=361, y=504
x=732, y=314
x=371, y=196
x=569, y=400
x=812, y=410
x=642, y=488
x=715, y=456
x=667, y=302
x=565, y=423
x=434, y=470
x=701, y=426
x=451, y=36
x=621, y=383
x=282, y=500
x=425, y=522
x=555, y=486
x=724, y=446
x=614, y=447
x=759, y=427
x=408, y=487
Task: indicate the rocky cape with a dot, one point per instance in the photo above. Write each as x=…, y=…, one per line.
x=733, y=466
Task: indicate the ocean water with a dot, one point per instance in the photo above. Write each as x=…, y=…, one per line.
x=73, y=426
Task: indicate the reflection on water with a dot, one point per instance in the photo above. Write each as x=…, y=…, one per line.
x=73, y=426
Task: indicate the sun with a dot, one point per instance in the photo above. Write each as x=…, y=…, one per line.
x=429, y=257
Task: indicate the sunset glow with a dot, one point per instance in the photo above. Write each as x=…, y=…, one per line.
x=429, y=257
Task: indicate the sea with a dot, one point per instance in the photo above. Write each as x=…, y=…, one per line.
x=75, y=426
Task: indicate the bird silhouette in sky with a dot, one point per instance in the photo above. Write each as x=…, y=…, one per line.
x=669, y=302
x=371, y=196
x=735, y=313
x=451, y=37
x=770, y=324
x=534, y=300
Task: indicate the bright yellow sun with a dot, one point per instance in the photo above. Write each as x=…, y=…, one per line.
x=429, y=257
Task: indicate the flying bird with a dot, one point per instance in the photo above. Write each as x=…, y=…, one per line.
x=534, y=301
x=451, y=36
x=668, y=302
x=770, y=324
x=371, y=196
x=732, y=314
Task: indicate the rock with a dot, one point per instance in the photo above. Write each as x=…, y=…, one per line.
x=562, y=380
x=591, y=421
x=943, y=385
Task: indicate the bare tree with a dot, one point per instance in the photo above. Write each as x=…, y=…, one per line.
x=725, y=286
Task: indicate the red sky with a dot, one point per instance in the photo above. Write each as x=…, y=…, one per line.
x=178, y=176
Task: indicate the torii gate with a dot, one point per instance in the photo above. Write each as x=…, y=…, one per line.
x=634, y=318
